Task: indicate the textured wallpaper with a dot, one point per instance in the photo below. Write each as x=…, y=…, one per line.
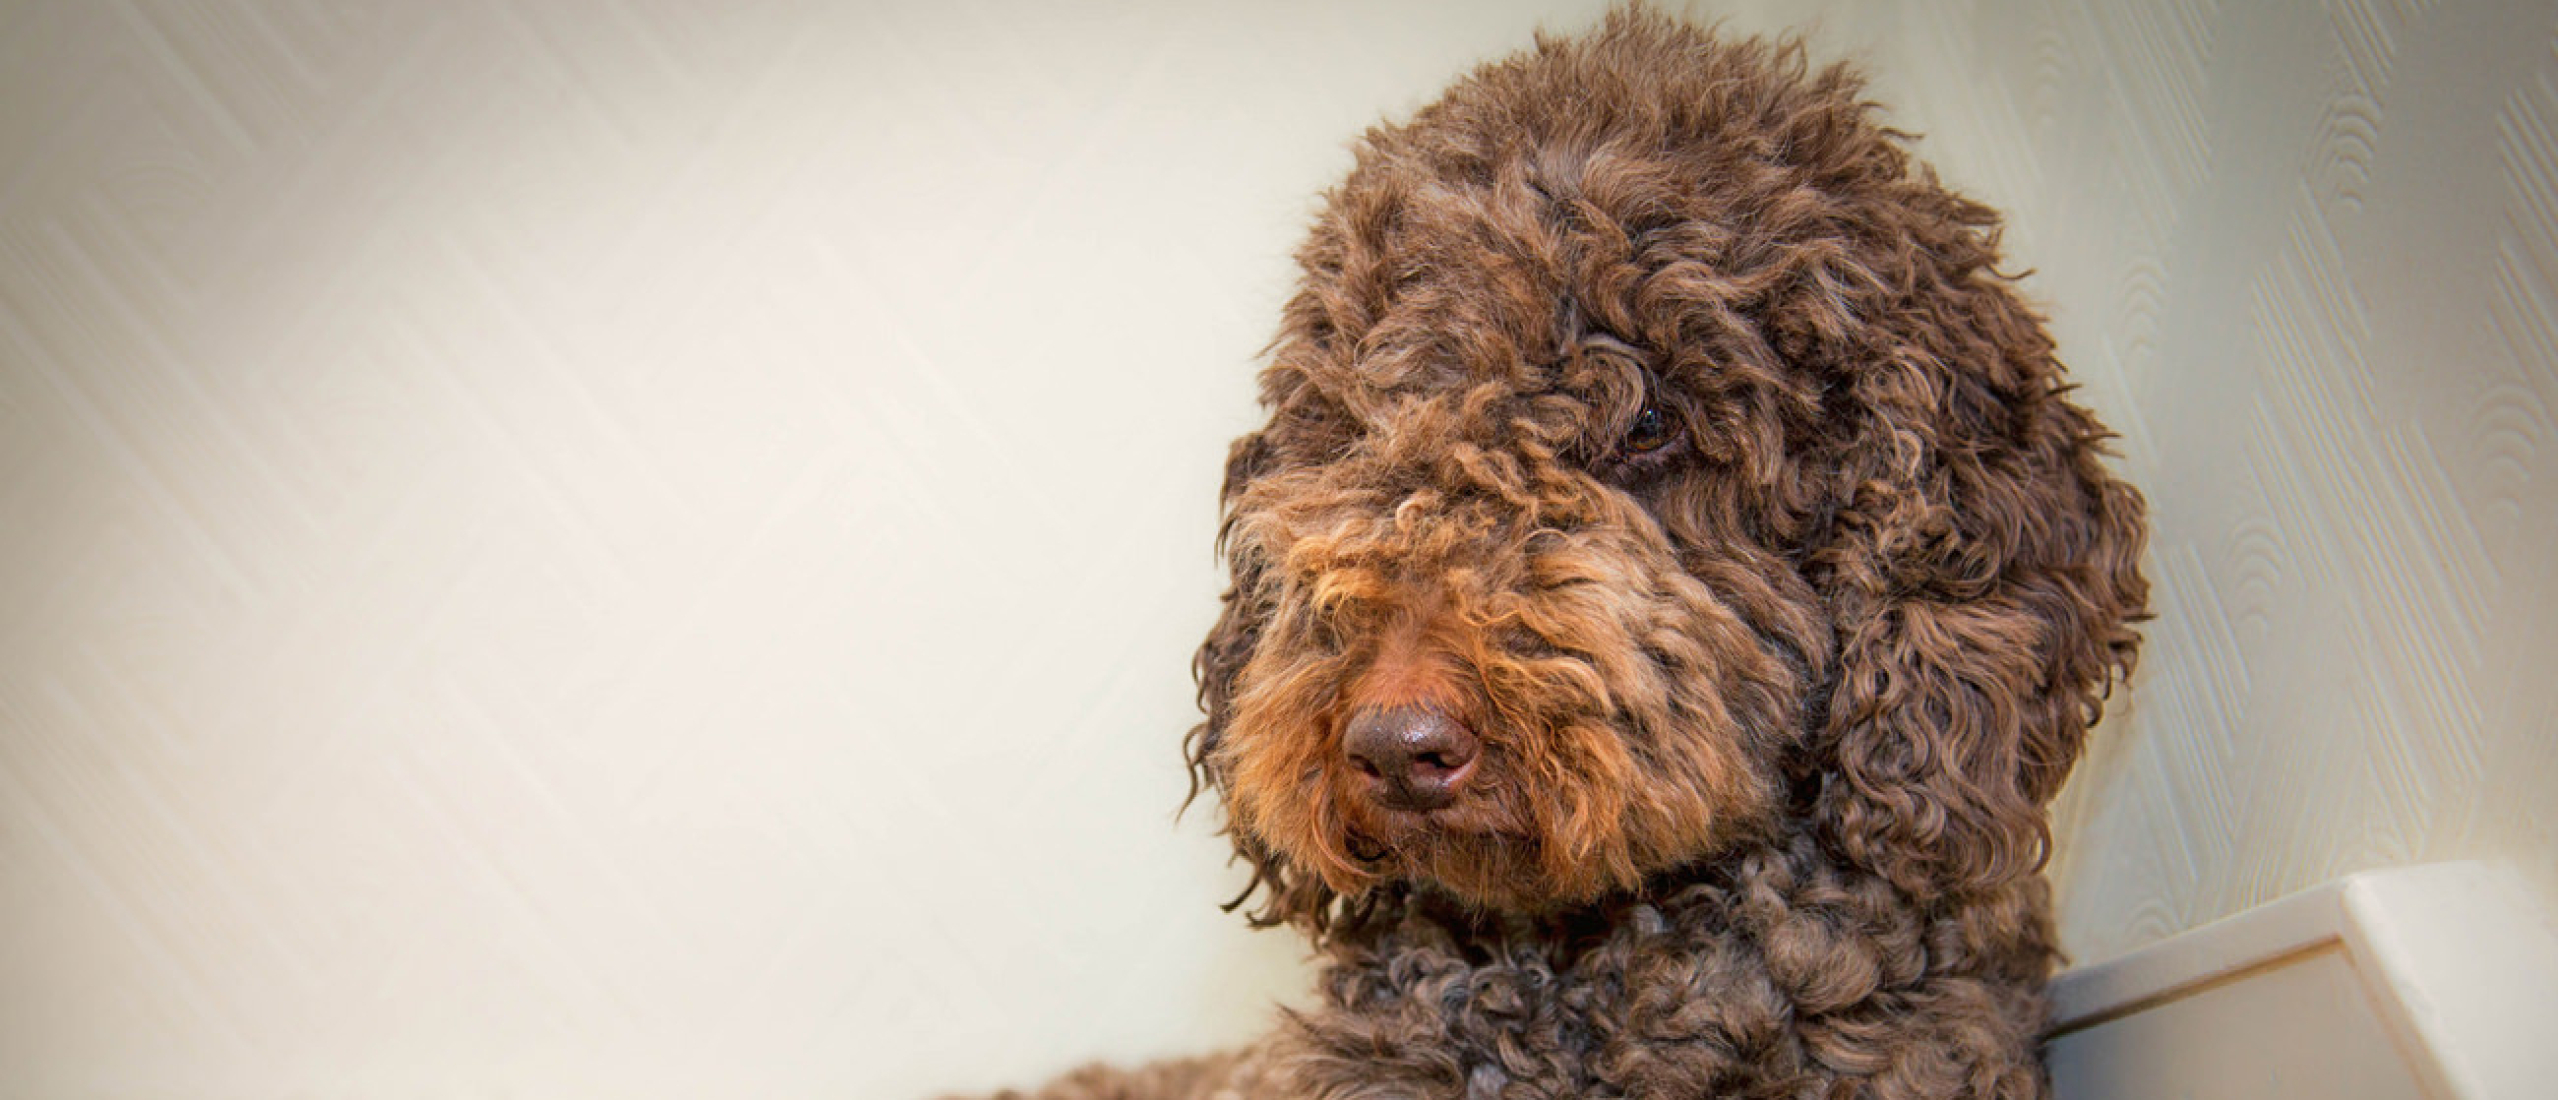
x=653, y=549
x=631, y=549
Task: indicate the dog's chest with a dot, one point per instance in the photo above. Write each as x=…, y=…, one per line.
x=1641, y=1010
x=1719, y=992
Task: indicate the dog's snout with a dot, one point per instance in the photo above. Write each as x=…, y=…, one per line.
x=1414, y=758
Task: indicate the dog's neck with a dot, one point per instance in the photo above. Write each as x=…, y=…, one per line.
x=1763, y=972
x=1760, y=893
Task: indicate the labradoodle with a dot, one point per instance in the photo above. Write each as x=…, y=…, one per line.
x=1671, y=583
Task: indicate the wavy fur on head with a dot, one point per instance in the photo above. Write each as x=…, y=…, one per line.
x=1649, y=413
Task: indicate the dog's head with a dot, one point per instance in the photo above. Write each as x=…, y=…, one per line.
x=1655, y=462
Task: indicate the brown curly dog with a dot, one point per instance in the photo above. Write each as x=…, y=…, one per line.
x=1671, y=584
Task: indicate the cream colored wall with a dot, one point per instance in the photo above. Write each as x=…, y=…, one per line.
x=654, y=550
x=633, y=549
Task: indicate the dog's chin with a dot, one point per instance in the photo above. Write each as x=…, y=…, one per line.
x=1495, y=870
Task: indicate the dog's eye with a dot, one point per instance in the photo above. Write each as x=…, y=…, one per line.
x=1651, y=431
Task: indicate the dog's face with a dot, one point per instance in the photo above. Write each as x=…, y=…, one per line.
x=1488, y=653
x=1654, y=463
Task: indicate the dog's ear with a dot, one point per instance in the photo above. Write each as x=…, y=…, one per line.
x=1288, y=895
x=1983, y=571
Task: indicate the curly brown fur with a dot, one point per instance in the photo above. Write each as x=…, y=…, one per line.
x=1651, y=424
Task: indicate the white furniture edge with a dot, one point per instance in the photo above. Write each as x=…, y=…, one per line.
x=2460, y=961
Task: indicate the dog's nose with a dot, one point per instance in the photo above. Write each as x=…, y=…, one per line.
x=1412, y=758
